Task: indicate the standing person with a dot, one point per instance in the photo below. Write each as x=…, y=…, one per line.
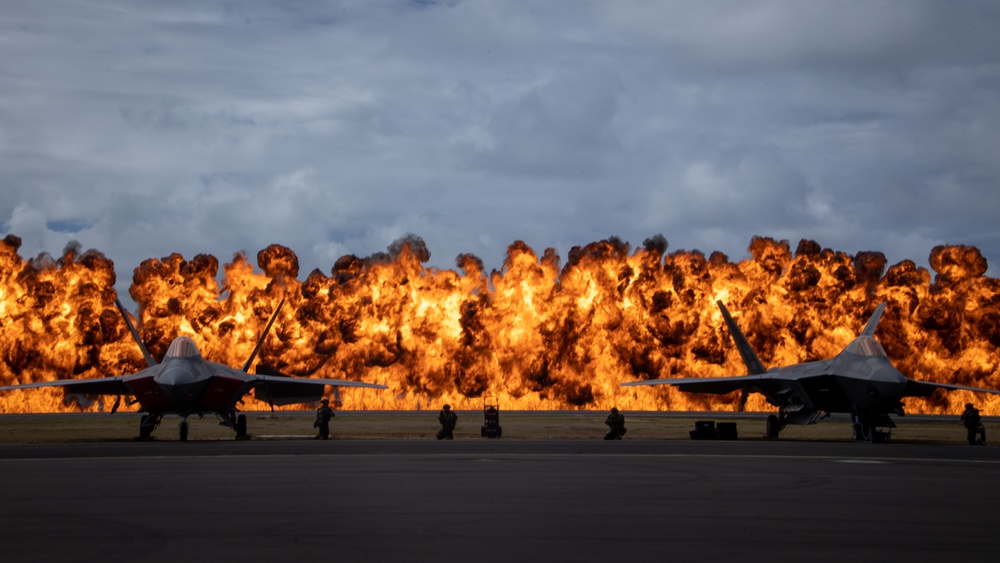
x=323, y=415
x=448, y=420
x=616, y=423
x=973, y=425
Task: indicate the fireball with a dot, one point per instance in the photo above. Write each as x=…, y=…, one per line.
x=535, y=334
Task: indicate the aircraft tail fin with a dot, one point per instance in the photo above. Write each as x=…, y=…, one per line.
x=873, y=322
x=150, y=362
x=746, y=351
x=246, y=366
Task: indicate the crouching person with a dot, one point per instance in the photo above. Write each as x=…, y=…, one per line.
x=448, y=420
x=616, y=425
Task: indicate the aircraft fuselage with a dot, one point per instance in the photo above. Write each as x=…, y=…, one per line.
x=846, y=383
x=185, y=383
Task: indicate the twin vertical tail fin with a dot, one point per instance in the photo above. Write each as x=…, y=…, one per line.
x=150, y=362
x=750, y=358
x=149, y=358
x=256, y=349
x=873, y=321
x=746, y=352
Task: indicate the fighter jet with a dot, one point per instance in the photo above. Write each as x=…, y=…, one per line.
x=186, y=384
x=860, y=380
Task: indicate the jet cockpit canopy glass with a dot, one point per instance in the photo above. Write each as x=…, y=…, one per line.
x=183, y=347
x=866, y=346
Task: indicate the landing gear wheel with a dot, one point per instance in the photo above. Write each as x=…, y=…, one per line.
x=241, y=427
x=773, y=427
x=184, y=431
x=145, y=429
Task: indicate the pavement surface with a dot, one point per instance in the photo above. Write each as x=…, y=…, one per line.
x=497, y=500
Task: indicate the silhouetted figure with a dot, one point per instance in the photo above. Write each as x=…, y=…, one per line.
x=323, y=415
x=616, y=423
x=973, y=425
x=448, y=420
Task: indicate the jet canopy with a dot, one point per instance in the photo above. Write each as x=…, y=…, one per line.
x=866, y=346
x=183, y=347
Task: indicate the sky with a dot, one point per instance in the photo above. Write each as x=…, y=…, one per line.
x=141, y=129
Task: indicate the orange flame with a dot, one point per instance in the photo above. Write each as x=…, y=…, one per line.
x=534, y=334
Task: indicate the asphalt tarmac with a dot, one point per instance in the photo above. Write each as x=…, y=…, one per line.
x=497, y=500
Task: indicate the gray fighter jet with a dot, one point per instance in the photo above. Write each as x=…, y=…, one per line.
x=860, y=380
x=186, y=384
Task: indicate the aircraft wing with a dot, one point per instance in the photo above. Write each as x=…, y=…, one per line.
x=714, y=385
x=284, y=390
x=98, y=386
x=274, y=380
x=778, y=390
x=916, y=388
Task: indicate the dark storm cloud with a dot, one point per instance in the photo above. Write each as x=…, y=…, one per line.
x=339, y=127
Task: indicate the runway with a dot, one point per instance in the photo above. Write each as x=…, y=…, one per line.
x=495, y=500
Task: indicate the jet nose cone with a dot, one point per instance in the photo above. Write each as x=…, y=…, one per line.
x=177, y=383
x=174, y=376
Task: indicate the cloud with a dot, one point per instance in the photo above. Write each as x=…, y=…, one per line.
x=564, y=127
x=202, y=127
